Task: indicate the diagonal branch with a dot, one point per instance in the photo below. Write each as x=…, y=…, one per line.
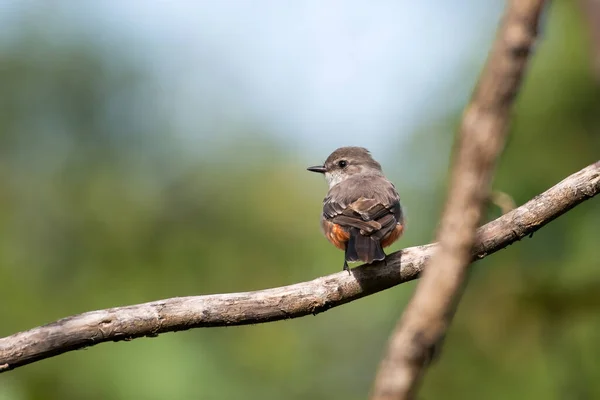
x=483, y=132
x=182, y=313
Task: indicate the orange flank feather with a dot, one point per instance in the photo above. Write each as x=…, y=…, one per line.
x=336, y=234
x=392, y=236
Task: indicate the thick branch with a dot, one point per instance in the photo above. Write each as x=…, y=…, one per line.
x=176, y=314
x=481, y=140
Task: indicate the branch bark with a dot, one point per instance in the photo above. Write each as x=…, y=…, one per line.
x=418, y=335
x=319, y=295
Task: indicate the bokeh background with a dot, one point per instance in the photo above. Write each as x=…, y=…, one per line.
x=151, y=149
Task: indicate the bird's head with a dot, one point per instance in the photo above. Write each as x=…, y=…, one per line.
x=346, y=162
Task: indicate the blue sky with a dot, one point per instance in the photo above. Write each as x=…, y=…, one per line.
x=316, y=74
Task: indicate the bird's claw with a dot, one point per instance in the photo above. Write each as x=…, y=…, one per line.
x=346, y=268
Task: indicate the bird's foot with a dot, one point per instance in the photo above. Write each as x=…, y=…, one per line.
x=346, y=268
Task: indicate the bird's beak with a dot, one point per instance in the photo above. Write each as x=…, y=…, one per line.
x=317, y=168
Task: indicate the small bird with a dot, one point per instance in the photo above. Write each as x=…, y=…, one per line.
x=361, y=212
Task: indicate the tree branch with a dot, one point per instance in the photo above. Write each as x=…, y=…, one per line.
x=182, y=313
x=591, y=14
x=419, y=333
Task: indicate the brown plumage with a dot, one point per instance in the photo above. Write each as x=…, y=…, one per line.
x=361, y=212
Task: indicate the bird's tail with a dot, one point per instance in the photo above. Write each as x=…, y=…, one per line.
x=363, y=248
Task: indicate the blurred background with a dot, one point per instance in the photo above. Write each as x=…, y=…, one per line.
x=151, y=149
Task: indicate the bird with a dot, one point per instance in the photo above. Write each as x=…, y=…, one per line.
x=361, y=211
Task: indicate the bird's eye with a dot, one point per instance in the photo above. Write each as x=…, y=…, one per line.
x=342, y=163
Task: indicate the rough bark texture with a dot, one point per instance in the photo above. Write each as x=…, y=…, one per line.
x=420, y=331
x=176, y=314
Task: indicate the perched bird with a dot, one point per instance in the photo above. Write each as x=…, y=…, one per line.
x=361, y=212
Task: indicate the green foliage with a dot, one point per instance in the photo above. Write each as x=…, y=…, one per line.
x=101, y=205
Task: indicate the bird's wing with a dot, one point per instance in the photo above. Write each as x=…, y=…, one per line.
x=373, y=215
